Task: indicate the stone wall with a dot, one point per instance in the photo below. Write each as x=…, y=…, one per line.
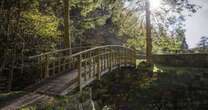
x=185, y=60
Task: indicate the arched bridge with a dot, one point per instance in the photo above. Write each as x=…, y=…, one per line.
x=61, y=71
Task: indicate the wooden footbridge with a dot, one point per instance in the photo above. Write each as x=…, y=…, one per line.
x=61, y=71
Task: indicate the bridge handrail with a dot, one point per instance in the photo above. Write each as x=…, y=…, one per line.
x=88, y=62
x=78, y=53
x=58, y=51
x=99, y=47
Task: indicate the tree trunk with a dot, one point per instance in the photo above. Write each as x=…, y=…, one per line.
x=148, y=33
x=67, y=36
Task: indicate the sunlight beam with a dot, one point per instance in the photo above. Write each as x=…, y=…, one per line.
x=155, y=4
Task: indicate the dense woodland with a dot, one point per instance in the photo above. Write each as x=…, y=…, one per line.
x=32, y=27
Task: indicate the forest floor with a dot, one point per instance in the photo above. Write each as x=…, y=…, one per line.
x=168, y=88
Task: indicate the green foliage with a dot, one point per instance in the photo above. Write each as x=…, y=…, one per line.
x=86, y=6
x=44, y=25
x=44, y=19
x=138, y=43
x=94, y=22
x=170, y=89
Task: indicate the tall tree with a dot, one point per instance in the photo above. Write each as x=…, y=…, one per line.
x=165, y=20
x=148, y=32
x=67, y=36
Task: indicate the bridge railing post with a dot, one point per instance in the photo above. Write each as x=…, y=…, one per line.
x=90, y=64
x=59, y=64
x=64, y=65
x=54, y=68
x=98, y=64
x=118, y=57
x=114, y=57
x=41, y=63
x=134, y=58
x=79, y=69
x=104, y=59
x=126, y=57
x=45, y=70
x=110, y=59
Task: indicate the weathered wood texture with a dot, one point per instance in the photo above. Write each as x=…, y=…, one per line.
x=62, y=73
x=13, y=72
x=88, y=63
